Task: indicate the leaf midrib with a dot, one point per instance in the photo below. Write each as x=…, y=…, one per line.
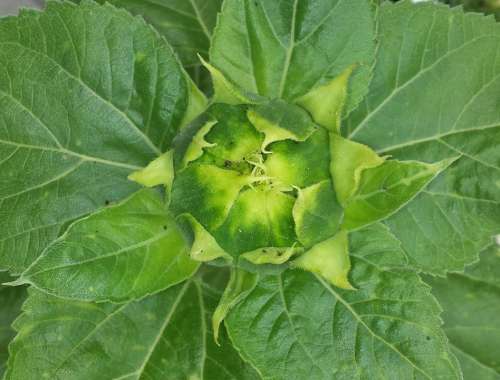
x=292, y=325
x=72, y=153
x=121, y=251
x=167, y=320
x=437, y=137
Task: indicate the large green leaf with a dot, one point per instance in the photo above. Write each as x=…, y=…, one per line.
x=119, y=254
x=165, y=336
x=471, y=303
x=87, y=94
x=296, y=326
x=283, y=49
x=186, y=24
x=435, y=95
x=11, y=299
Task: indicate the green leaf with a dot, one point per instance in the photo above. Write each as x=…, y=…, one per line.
x=166, y=335
x=471, y=303
x=119, y=254
x=87, y=94
x=284, y=49
x=296, y=326
x=239, y=285
x=386, y=188
x=371, y=188
x=11, y=299
x=434, y=96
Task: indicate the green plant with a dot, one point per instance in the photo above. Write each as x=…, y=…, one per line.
x=282, y=229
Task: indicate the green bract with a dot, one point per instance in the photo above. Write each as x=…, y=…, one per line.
x=249, y=189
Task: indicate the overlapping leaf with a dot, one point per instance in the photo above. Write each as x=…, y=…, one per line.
x=435, y=95
x=186, y=24
x=286, y=48
x=167, y=333
x=471, y=303
x=296, y=326
x=87, y=94
x=119, y=254
x=11, y=300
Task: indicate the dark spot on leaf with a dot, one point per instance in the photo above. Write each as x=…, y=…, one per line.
x=107, y=202
x=228, y=164
x=428, y=337
x=165, y=228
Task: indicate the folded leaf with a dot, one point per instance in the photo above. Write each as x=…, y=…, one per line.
x=158, y=172
x=233, y=139
x=79, y=111
x=122, y=253
x=207, y=192
x=326, y=103
x=162, y=336
x=297, y=326
x=195, y=149
x=303, y=164
x=278, y=120
x=240, y=284
x=471, y=303
x=226, y=91
x=260, y=217
x=271, y=255
x=316, y=213
x=283, y=49
x=204, y=246
x=11, y=299
x=348, y=161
